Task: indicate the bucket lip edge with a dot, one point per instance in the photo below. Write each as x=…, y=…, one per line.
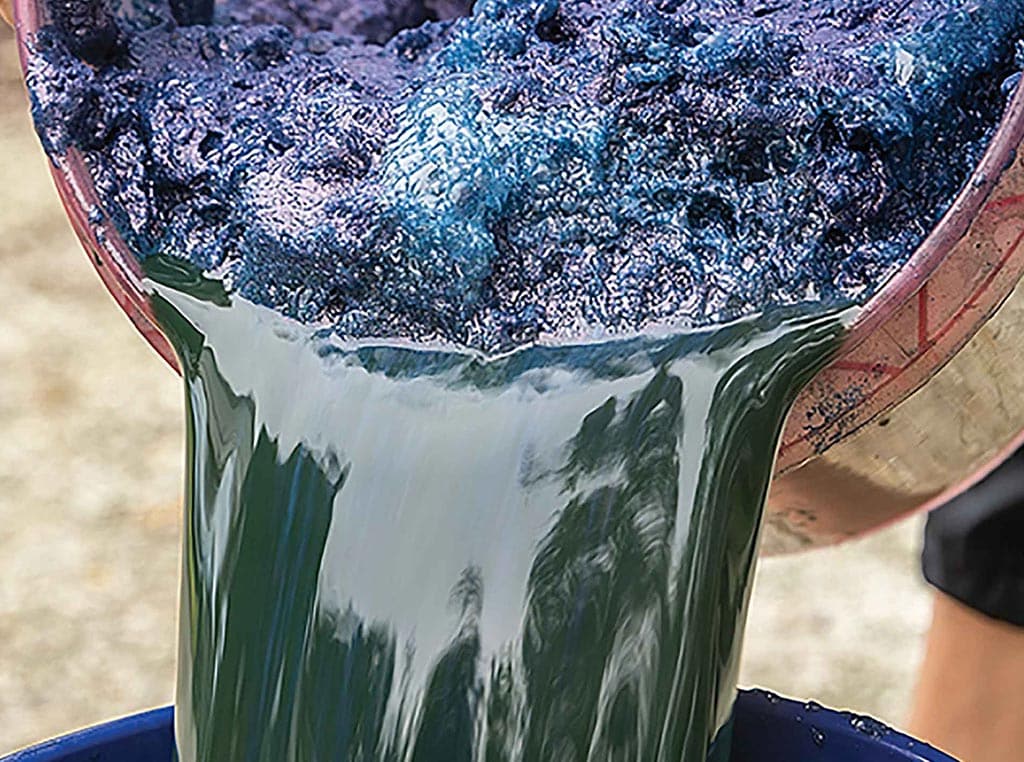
x=93, y=737
x=761, y=705
x=951, y=227
x=751, y=705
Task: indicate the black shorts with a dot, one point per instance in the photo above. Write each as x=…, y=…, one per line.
x=974, y=544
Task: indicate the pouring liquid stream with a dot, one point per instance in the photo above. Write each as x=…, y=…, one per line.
x=425, y=555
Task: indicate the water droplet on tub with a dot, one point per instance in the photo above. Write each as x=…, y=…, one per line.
x=869, y=726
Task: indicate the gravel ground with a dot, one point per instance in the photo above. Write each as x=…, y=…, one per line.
x=90, y=488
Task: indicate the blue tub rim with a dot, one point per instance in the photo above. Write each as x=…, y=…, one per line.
x=800, y=727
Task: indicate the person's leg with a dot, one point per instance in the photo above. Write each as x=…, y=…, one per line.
x=970, y=696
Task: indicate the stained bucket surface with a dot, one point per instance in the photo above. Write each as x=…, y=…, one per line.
x=766, y=729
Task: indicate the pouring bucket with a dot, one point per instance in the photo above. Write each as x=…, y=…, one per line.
x=765, y=729
x=925, y=397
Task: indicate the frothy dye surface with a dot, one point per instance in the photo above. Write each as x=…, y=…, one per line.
x=537, y=170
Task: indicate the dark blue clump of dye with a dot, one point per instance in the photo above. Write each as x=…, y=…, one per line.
x=539, y=169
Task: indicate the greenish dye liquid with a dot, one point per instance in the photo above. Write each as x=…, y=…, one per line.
x=401, y=555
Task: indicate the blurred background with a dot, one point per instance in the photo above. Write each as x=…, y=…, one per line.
x=91, y=460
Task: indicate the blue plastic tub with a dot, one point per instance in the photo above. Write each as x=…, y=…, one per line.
x=767, y=729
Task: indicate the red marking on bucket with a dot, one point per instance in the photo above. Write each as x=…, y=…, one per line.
x=1002, y=203
x=922, y=319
